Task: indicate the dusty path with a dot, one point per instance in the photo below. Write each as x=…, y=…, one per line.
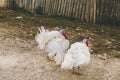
x=22, y=60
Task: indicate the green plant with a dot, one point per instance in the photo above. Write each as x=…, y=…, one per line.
x=38, y=10
x=13, y=5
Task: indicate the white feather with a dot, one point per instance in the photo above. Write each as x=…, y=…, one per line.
x=77, y=55
x=55, y=48
x=54, y=43
x=44, y=36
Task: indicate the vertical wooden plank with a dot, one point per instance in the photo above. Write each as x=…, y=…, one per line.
x=20, y=3
x=104, y=13
x=69, y=7
x=27, y=4
x=7, y=1
x=98, y=10
x=59, y=7
x=83, y=10
x=117, y=22
x=30, y=5
x=40, y=3
x=87, y=11
x=51, y=1
x=94, y=17
x=52, y=4
x=118, y=13
x=102, y=10
x=64, y=6
x=74, y=9
x=91, y=11
x=33, y=4
x=49, y=7
x=46, y=7
x=111, y=10
x=36, y=3
x=43, y=6
x=60, y=4
x=79, y=10
x=54, y=7
x=44, y=3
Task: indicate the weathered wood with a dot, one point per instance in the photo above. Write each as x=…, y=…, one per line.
x=90, y=11
x=69, y=9
x=80, y=9
x=94, y=17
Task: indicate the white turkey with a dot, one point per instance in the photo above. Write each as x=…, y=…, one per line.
x=57, y=48
x=44, y=36
x=77, y=56
x=54, y=42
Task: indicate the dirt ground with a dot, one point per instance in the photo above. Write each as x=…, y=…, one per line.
x=21, y=59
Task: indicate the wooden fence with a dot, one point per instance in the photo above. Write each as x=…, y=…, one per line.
x=3, y=3
x=89, y=11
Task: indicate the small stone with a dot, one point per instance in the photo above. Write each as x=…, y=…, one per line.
x=104, y=56
x=19, y=17
x=48, y=68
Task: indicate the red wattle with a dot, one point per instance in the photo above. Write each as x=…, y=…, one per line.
x=65, y=35
x=87, y=43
